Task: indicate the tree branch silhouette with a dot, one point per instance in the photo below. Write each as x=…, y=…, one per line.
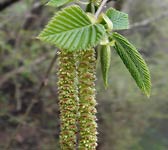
x=7, y=3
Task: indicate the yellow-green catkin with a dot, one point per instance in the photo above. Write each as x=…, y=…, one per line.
x=86, y=86
x=68, y=99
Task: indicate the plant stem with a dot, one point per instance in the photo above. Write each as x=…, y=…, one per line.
x=87, y=102
x=68, y=99
x=100, y=8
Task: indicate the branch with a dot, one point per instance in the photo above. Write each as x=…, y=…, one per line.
x=33, y=15
x=100, y=8
x=7, y=3
x=21, y=69
x=33, y=102
x=149, y=20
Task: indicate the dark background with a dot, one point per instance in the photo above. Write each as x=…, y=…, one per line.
x=127, y=120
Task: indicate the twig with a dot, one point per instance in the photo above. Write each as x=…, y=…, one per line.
x=149, y=20
x=34, y=101
x=16, y=65
x=7, y=3
x=100, y=8
x=21, y=69
x=33, y=15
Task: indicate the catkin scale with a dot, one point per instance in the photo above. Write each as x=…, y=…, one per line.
x=105, y=59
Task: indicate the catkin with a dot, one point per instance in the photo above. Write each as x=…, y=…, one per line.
x=68, y=99
x=105, y=59
x=86, y=86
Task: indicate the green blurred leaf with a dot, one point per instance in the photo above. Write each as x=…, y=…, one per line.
x=119, y=19
x=58, y=3
x=71, y=29
x=134, y=62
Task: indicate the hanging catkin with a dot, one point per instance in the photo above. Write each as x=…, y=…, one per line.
x=87, y=102
x=68, y=99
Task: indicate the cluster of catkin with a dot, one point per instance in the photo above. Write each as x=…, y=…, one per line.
x=76, y=87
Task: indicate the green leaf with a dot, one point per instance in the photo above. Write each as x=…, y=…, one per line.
x=58, y=3
x=105, y=59
x=134, y=62
x=71, y=29
x=119, y=19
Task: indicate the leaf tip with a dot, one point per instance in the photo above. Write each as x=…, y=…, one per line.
x=148, y=93
x=148, y=96
x=39, y=37
x=47, y=4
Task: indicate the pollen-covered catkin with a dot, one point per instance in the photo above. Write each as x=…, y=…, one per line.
x=68, y=99
x=87, y=102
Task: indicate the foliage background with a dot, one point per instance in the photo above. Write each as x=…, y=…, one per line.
x=127, y=119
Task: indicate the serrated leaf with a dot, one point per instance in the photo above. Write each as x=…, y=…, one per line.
x=58, y=3
x=71, y=29
x=119, y=19
x=134, y=62
x=105, y=59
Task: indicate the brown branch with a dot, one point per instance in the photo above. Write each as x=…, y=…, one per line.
x=149, y=20
x=33, y=102
x=33, y=15
x=7, y=3
x=21, y=69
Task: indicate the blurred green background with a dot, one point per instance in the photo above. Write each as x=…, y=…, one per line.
x=127, y=120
